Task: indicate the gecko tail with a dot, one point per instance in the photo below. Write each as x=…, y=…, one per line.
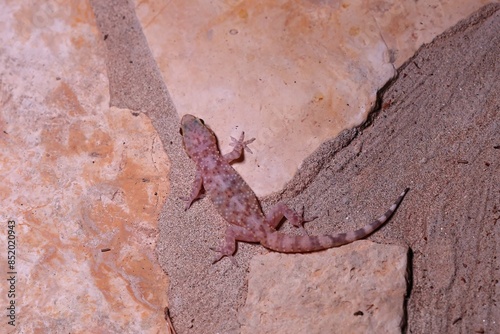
x=280, y=242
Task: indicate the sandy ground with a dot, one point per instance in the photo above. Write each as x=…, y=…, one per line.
x=436, y=130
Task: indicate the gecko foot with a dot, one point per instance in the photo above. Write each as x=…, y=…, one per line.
x=190, y=201
x=300, y=223
x=222, y=254
x=240, y=144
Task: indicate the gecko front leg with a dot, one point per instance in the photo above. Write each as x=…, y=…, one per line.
x=239, y=145
x=195, y=190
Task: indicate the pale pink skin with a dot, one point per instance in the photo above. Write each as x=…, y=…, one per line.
x=239, y=206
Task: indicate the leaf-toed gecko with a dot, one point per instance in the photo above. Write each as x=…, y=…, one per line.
x=239, y=206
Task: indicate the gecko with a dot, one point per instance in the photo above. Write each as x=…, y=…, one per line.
x=238, y=205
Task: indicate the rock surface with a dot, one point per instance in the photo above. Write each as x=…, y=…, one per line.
x=83, y=182
x=360, y=287
x=448, y=136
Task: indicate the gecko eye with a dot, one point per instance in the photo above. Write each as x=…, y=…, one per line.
x=180, y=131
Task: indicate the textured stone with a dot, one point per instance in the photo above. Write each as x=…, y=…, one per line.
x=83, y=182
x=290, y=73
x=358, y=288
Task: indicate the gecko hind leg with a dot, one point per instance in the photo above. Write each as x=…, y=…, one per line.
x=280, y=210
x=233, y=234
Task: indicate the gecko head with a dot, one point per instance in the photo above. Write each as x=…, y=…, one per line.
x=193, y=125
x=196, y=136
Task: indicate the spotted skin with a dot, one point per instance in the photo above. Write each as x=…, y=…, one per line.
x=239, y=206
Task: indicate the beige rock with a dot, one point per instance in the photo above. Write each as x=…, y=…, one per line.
x=357, y=288
x=83, y=182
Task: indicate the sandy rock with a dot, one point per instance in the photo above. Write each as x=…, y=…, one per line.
x=357, y=288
